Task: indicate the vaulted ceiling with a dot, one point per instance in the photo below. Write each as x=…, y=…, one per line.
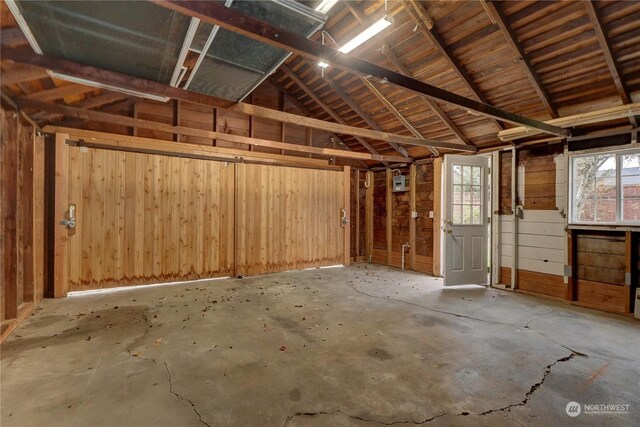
x=538, y=59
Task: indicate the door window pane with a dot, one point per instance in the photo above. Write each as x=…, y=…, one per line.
x=467, y=200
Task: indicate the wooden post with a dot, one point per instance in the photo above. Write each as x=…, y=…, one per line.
x=571, y=291
x=437, y=215
x=176, y=118
x=389, y=202
x=215, y=125
x=412, y=220
x=347, y=211
x=630, y=278
x=38, y=216
x=357, y=225
x=61, y=207
x=369, y=216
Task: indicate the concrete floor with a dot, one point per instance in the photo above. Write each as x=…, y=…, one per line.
x=362, y=346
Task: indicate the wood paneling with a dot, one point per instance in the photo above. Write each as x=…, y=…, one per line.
x=21, y=210
x=601, y=258
x=288, y=218
x=379, y=210
x=535, y=282
x=144, y=218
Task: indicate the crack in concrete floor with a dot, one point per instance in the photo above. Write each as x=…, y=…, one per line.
x=178, y=396
x=523, y=402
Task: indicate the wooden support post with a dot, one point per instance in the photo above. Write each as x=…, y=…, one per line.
x=38, y=216
x=630, y=273
x=215, y=125
x=389, y=202
x=571, y=291
x=412, y=220
x=308, y=135
x=347, y=213
x=437, y=215
x=134, y=129
x=369, y=216
x=357, y=225
x=61, y=208
x=176, y=118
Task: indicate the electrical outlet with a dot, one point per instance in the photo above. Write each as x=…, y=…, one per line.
x=414, y=214
x=431, y=214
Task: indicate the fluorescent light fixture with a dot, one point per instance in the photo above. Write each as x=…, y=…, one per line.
x=15, y=11
x=323, y=64
x=370, y=32
x=99, y=85
x=326, y=5
x=186, y=43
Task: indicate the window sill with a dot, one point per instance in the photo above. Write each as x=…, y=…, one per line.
x=604, y=227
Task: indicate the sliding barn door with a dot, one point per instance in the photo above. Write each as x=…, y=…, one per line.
x=289, y=218
x=140, y=218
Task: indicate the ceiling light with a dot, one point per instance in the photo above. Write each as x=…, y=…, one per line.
x=370, y=32
x=99, y=85
x=326, y=5
x=322, y=64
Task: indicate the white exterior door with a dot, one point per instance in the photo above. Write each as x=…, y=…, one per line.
x=465, y=224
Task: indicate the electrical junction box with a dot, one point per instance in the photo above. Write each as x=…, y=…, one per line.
x=400, y=183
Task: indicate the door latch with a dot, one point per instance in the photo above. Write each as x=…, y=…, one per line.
x=344, y=220
x=71, y=221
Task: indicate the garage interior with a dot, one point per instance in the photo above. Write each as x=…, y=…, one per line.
x=310, y=213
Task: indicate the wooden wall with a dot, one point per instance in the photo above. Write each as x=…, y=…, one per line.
x=144, y=218
x=288, y=218
x=598, y=258
x=22, y=212
x=391, y=223
x=180, y=113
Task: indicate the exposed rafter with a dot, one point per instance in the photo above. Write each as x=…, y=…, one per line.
x=404, y=70
x=431, y=103
x=330, y=111
x=305, y=110
x=217, y=14
x=360, y=112
x=605, y=45
x=501, y=21
x=396, y=113
x=418, y=13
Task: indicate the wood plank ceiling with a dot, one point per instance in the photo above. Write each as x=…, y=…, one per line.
x=539, y=59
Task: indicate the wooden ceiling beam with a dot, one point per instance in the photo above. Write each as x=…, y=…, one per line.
x=21, y=73
x=305, y=110
x=419, y=15
x=230, y=19
x=88, y=103
x=430, y=102
x=59, y=92
x=500, y=19
x=98, y=116
x=607, y=50
x=268, y=113
x=363, y=114
x=306, y=89
x=396, y=113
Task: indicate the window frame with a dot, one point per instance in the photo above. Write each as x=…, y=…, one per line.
x=571, y=183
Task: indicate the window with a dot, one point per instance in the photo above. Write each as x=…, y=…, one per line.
x=467, y=194
x=605, y=188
